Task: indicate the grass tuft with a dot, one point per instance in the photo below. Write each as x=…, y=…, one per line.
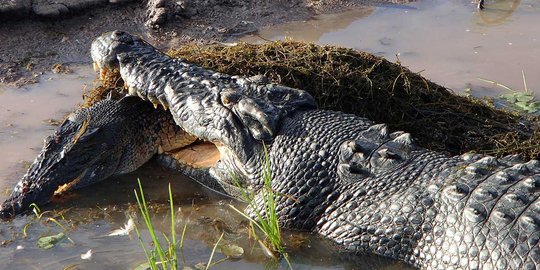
x=266, y=219
x=159, y=257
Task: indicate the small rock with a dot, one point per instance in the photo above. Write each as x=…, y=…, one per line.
x=160, y=11
x=50, y=10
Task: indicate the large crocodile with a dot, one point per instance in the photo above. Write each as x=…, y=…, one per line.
x=344, y=177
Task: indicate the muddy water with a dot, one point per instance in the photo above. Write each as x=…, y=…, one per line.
x=448, y=41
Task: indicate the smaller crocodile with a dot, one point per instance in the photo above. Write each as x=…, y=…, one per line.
x=110, y=138
x=346, y=178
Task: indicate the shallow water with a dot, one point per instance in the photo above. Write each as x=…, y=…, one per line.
x=26, y=115
x=449, y=41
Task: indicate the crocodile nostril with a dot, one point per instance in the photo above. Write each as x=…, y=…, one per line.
x=122, y=36
x=118, y=33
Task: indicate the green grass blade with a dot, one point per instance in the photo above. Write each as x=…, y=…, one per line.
x=183, y=235
x=147, y=220
x=172, y=245
x=213, y=251
x=151, y=262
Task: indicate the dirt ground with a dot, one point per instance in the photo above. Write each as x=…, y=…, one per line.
x=32, y=44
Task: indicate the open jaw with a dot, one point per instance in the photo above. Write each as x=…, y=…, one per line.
x=215, y=126
x=236, y=114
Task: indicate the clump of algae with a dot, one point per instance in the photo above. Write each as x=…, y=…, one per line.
x=361, y=83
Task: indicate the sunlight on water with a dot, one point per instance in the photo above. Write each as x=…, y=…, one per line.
x=449, y=42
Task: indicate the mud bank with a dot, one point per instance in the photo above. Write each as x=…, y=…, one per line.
x=38, y=34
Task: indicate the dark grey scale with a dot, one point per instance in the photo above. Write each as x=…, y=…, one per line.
x=511, y=159
x=311, y=201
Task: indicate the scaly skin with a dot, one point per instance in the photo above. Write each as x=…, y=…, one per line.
x=351, y=181
x=93, y=144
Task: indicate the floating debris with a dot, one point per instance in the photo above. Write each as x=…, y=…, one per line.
x=87, y=255
x=128, y=227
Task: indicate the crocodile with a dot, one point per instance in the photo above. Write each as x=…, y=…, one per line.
x=352, y=181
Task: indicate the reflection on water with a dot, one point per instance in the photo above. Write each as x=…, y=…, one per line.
x=312, y=30
x=450, y=42
x=498, y=12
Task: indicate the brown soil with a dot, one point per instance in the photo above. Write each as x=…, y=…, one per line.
x=31, y=45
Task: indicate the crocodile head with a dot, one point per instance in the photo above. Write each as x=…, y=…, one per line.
x=231, y=116
x=89, y=146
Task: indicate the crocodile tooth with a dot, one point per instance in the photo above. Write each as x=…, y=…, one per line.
x=153, y=100
x=139, y=94
x=96, y=67
x=163, y=100
x=160, y=149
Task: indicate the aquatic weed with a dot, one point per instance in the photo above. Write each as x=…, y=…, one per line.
x=522, y=100
x=50, y=240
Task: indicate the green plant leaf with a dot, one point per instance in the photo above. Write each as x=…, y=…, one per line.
x=50, y=241
x=524, y=97
x=510, y=98
x=232, y=251
x=522, y=104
